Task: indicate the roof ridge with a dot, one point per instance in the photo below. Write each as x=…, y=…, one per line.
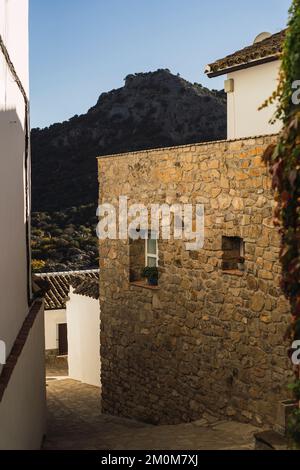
x=67, y=273
x=58, y=286
x=266, y=50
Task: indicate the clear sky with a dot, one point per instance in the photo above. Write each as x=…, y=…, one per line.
x=80, y=48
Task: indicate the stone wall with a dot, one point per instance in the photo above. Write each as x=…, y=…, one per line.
x=136, y=258
x=205, y=339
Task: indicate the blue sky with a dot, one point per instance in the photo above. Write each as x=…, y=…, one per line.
x=80, y=48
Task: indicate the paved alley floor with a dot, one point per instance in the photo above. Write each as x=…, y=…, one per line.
x=75, y=423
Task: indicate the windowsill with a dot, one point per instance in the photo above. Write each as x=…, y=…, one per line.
x=143, y=285
x=233, y=272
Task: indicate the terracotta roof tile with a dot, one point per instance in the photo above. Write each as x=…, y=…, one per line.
x=267, y=50
x=59, y=284
x=87, y=287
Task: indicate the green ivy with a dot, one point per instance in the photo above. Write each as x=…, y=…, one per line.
x=283, y=160
x=295, y=389
x=294, y=428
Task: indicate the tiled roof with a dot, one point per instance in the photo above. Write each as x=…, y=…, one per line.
x=57, y=293
x=267, y=50
x=87, y=287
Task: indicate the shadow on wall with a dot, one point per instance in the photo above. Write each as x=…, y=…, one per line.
x=13, y=257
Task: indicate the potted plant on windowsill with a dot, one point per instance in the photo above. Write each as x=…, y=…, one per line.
x=151, y=274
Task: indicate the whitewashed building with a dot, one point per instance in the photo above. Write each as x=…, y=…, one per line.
x=22, y=377
x=83, y=320
x=72, y=322
x=252, y=77
x=57, y=286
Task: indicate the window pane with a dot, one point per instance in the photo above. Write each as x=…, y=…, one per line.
x=151, y=262
x=151, y=247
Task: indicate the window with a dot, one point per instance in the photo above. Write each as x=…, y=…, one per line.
x=151, y=260
x=142, y=253
x=233, y=253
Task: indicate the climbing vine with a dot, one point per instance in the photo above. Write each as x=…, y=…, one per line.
x=283, y=160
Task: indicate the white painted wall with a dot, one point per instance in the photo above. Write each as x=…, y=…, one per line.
x=23, y=407
x=252, y=86
x=14, y=31
x=13, y=270
x=83, y=318
x=52, y=319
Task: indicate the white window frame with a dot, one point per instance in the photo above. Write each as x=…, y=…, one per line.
x=151, y=255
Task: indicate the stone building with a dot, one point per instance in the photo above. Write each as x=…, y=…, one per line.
x=210, y=335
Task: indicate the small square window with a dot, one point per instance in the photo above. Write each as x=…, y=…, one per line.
x=233, y=253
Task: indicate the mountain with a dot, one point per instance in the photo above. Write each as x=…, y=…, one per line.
x=155, y=109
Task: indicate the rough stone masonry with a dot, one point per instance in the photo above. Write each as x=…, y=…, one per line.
x=207, y=338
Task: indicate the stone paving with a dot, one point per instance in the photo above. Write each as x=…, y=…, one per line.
x=75, y=422
x=57, y=366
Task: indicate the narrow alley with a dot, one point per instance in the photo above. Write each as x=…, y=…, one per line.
x=75, y=422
